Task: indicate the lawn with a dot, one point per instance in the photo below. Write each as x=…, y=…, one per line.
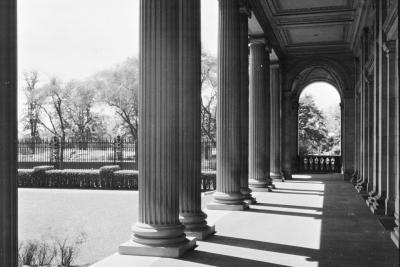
x=105, y=218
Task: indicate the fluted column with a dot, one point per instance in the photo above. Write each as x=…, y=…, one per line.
x=378, y=206
x=394, y=64
x=370, y=140
x=158, y=231
x=228, y=195
x=275, y=142
x=392, y=125
x=190, y=213
x=8, y=134
x=259, y=115
x=244, y=103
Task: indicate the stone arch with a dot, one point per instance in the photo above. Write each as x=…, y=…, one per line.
x=319, y=69
x=299, y=74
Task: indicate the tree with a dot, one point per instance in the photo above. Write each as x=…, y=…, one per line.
x=209, y=86
x=55, y=111
x=312, y=127
x=118, y=88
x=33, y=103
x=84, y=123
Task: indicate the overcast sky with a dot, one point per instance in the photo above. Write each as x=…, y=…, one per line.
x=72, y=39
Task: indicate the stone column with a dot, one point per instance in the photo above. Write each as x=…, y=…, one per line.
x=378, y=206
x=228, y=195
x=8, y=134
x=392, y=120
x=158, y=231
x=395, y=233
x=244, y=103
x=191, y=215
x=370, y=140
x=275, y=142
x=259, y=115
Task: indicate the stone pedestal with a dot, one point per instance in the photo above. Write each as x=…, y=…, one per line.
x=159, y=231
x=259, y=115
x=190, y=213
x=244, y=104
x=228, y=195
x=275, y=142
x=8, y=134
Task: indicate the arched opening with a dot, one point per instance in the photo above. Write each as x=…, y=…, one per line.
x=319, y=128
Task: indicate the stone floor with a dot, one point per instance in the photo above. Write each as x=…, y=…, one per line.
x=308, y=221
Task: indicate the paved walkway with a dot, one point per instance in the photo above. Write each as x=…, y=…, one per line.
x=308, y=221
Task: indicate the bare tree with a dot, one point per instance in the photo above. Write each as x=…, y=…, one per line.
x=209, y=85
x=54, y=110
x=118, y=88
x=33, y=104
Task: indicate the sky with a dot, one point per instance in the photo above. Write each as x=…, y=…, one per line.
x=325, y=95
x=72, y=39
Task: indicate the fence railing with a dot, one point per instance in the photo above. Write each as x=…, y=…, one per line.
x=320, y=164
x=92, y=154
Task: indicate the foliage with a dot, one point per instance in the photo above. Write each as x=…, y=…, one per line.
x=118, y=88
x=314, y=135
x=209, y=87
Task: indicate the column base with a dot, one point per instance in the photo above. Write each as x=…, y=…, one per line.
x=175, y=251
x=262, y=183
x=389, y=206
x=276, y=175
x=203, y=233
x=227, y=201
x=248, y=198
x=395, y=236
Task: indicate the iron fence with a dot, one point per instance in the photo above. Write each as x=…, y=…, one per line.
x=92, y=154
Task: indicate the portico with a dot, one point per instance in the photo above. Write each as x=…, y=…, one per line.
x=268, y=52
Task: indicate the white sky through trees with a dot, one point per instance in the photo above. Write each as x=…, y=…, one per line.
x=324, y=94
x=73, y=39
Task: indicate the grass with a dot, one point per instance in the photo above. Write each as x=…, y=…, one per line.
x=105, y=217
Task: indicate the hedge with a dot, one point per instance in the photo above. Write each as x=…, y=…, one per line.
x=107, y=177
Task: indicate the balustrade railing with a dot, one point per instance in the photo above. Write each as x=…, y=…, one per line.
x=320, y=164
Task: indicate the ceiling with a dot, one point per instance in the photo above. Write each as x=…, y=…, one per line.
x=310, y=26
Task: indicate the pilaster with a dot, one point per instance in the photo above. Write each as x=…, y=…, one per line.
x=158, y=231
x=228, y=195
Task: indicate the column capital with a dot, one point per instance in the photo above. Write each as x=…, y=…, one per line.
x=261, y=40
x=389, y=46
x=274, y=64
x=244, y=8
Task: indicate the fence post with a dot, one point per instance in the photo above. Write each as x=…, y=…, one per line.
x=55, y=152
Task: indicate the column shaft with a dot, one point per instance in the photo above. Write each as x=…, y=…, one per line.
x=8, y=134
x=275, y=142
x=244, y=104
x=259, y=115
x=191, y=215
x=158, y=231
x=228, y=194
x=396, y=163
x=392, y=125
